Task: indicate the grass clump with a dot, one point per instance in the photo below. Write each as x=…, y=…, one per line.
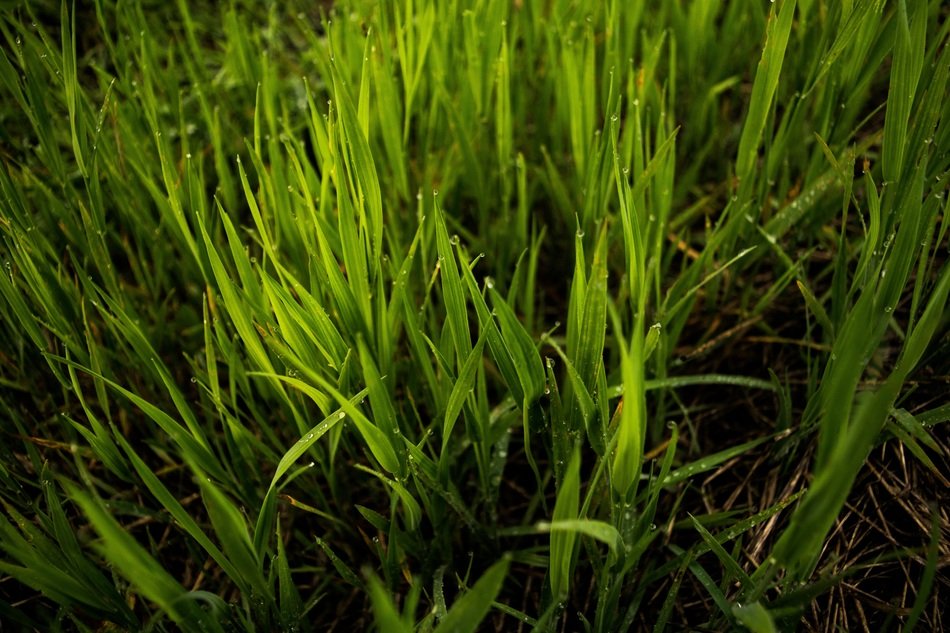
x=468, y=316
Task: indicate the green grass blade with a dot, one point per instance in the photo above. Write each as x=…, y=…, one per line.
x=138, y=566
x=468, y=611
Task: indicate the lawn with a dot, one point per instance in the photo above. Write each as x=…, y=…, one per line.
x=474, y=315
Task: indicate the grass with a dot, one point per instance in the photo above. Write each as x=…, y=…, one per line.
x=458, y=316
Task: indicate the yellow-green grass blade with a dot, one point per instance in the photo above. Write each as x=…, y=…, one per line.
x=766, y=81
